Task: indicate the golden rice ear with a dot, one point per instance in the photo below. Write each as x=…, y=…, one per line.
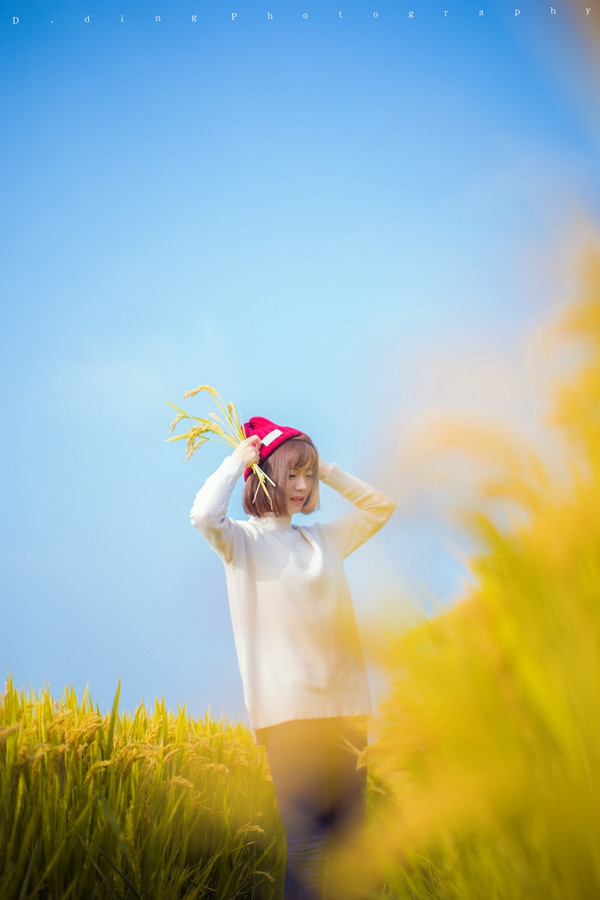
x=198, y=390
x=176, y=422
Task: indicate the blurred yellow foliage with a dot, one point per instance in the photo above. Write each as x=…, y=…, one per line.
x=489, y=742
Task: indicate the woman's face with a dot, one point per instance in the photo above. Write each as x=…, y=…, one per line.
x=299, y=485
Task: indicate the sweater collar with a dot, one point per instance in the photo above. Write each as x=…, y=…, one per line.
x=272, y=523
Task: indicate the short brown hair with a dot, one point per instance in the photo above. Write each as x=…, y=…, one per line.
x=292, y=454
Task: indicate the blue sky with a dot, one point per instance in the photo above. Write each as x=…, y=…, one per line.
x=317, y=216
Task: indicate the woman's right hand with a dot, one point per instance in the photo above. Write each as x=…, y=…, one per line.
x=248, y=451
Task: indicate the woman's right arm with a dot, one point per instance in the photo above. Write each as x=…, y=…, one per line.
x=209, y=511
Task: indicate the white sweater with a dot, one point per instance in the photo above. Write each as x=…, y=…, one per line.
x=293, y=622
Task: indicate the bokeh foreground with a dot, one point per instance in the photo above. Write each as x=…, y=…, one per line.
x=489, y=740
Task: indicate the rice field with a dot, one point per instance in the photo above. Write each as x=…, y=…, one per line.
x=485, y=770
x=155, y=805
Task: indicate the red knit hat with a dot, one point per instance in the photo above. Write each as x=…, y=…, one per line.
x=271, y=436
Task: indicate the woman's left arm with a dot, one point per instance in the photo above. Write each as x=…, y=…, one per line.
x=372, y=509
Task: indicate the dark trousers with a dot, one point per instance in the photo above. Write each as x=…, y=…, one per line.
x=320, y=794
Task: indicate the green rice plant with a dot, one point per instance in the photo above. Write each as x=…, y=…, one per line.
x=225, y=427
x=153, y=806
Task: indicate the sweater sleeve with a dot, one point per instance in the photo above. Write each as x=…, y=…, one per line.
x=209, y=511
x=372, y=510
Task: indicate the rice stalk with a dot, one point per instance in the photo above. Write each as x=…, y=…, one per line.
x=224, y=427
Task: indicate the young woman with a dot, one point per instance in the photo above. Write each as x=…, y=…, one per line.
x=304, y=678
